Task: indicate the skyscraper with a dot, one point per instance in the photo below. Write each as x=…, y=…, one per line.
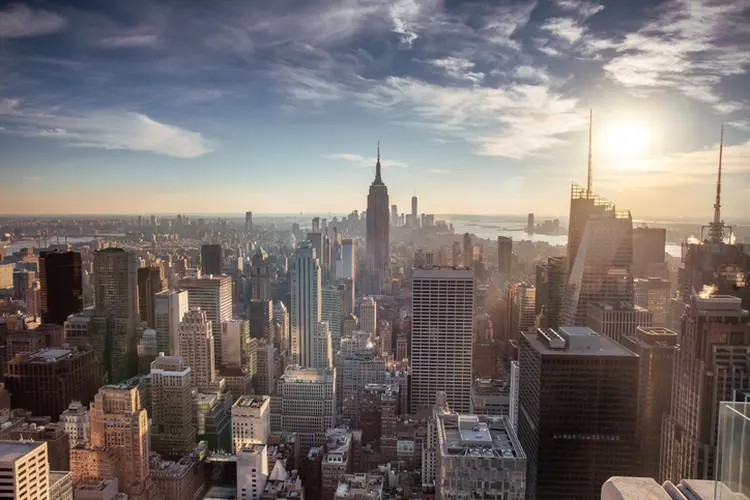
x=504, y=254
x=648, y=252
x=712, y=362
x=170, y=307
x=306, y=303
x=654, y=294
x=251, y=420
x=260, y=277
x=378, y=260
x=24, y=470
x=212, y=261
x=368, y=315
x=441, y=349
x=331, y=312
x=236, y=347
x=346, y=287
x=414, y=207
x=197, y=348
x=468, y=251
x=172, y=429
x=213, y=294
x=348, y=259
x=281, y=326
x=394, y=215
x=150, y=282
x=248, y=222
x=116, y=309
x=577, y=418
x=603, y=267
x=550, y=292
x=61, y=289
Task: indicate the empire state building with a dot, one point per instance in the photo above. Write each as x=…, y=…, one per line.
x=378, y=262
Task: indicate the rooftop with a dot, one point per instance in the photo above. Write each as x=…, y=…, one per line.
x=249, y=401
x=13, y=450
x=574, y=341
x=617, y=306
x=369, y=486
x=478, y=436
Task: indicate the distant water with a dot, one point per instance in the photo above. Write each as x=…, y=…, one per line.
x=18, y=245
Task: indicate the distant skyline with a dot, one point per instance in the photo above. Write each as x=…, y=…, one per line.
x=137, y=106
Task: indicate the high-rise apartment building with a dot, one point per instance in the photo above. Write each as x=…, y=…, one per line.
x=265, y=377
x=213, y=294
x=394, y=215
x=441, y=348
x=306, y=304
x=212, y=260
x=655, y=295
x=116, y=307
x=172, y=429
x=331, y=312
x=260, y=277
x=46, y=381
x=615, y=319
x=710, y=365
x=75, y=422
x=504, y=254
x=578, y=403
x=550, y=292
x=348, y=259
x=24, y=470
x=119, y=426
x=236, y=346
x=260, y=313
x=61, y=285
x=467, y=250
x=197, y=348
x=602, y=270
x=377, y=241
x=308, y=404
x=368, y=316
x=648, y=252
x=170, y=307
x=656, y=348
x=151, y=281
x=251, y=421
x=359, y=364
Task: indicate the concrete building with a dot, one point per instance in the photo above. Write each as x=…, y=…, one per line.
x=105, y=489
x=337, y=460
x=368, y=315
x=331, y=312
x=615, y=319
x=283, y=485
x=120, y=425
x=348, y=259
x=377, y=241
x=212, y=260
x=46, y=381
x=710, y=365
x=75, y=422
x=360, y=364
x=490, y=397
x=197, y=348
x=213, y=419
x=654, y=294
x=236, y=346
x=569, y=373
x=260, y=313
x=636, y=488
x=481, y=455
x=602, y=268
x=23, y=281
x=265, y=377
x=442, y=320
x=60, y=485
x=550, y=292
x=116, y=306
x=170, y=307
x=252, y=471
x=281, y=326
x=308, y=404
x=520, y=300
x=178, y=480
x=41, y=430
x=151, y=281
x=213, y=294
x=322, y=346
x=60, y=285
x=24, y=472
x=656, y=348
x=306, y=304
x=260, y=277
x=251, y=421
x=172, y=391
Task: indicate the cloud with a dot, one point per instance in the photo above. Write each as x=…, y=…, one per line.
x=107, y=130
x=20, y=21
x=690, y=47
x=531, y=74
x=365, y=162
x=742, y=125
x=458, y=68
x=584, y=8
x=564, y=28
x=130, y=41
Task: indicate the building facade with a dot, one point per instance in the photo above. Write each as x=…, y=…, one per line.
x=377, y=242
x=213, y=294
x=60, y=285
x=306, y=304
x=172, y=430
x=170, y=307
x=197, y=348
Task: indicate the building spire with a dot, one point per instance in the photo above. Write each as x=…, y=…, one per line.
x=717, y=226
x=588, y=178
x=378, y=180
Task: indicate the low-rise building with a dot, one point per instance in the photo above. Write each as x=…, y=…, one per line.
x=360, y=487
x=178, y=480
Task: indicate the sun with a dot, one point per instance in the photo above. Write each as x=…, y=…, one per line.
x=626, y=139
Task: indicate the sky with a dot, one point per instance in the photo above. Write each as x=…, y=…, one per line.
x=150, y=106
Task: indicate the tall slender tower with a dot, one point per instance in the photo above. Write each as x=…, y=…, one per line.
x=378, y=261
x=716, y=228
x=306, y=303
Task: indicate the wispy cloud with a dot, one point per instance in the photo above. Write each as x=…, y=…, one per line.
x=130, y=41
x=584, y=8
x=20, y=21
x=458, y=68
x=690, y=47
x=107, y=130
x=366, y=162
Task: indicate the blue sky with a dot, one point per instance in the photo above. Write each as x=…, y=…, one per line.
x=143, y=106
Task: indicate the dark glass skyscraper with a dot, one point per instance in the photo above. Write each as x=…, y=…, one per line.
x=60, y=285
x=504, y=254
x=378, y=260
x=211, y=259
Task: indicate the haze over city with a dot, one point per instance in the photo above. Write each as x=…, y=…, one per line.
x=480, y=107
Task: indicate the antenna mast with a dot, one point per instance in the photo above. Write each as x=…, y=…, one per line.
x=717, y=226
x=588, y=179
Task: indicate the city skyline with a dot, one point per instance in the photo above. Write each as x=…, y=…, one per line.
x=120, y=108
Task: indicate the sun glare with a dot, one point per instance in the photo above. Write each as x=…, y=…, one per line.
x=626, y=139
